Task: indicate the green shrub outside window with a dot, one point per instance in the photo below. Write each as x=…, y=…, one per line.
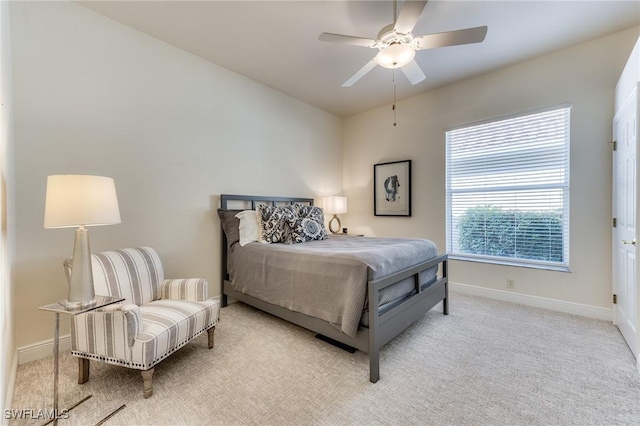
x=492, y=231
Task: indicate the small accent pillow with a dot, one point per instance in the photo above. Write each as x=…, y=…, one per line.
x=274, y=223
x=248, y=227
x=308, y=224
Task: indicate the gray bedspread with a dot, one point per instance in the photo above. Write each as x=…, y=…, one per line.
x=324, y=279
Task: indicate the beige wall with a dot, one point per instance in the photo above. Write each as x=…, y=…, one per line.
x=584, y=75
x=7, y=222
x=174, y=131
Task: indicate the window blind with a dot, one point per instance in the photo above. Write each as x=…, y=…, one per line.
x=507, y=189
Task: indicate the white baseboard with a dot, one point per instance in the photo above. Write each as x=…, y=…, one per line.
x=8, y=402
x=42, y=349
x=535, y=301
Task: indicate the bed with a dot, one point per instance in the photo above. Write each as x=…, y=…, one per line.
x=387, y=284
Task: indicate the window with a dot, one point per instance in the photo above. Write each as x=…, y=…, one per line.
x=508, y=190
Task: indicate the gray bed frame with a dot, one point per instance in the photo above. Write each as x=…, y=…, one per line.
x=384, y=325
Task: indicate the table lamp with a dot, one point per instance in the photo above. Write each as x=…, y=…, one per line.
x=80, y=201
x=335, y=205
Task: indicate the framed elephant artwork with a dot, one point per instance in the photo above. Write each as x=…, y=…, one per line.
x=392, y=188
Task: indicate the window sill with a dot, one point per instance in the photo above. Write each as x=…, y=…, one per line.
x=495, y=261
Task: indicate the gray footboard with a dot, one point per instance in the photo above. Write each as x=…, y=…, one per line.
x=385, y=326
x=382, y=326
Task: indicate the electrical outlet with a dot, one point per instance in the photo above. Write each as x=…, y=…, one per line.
x=509, y=283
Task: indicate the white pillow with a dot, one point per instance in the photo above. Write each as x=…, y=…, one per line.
x=248, y=227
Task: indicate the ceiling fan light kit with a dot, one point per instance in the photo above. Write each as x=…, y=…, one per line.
x=395, y=56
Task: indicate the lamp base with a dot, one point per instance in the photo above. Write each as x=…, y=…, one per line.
x=81, y=292
x=331, y=223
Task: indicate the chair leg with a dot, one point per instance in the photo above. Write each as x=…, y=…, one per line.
x=210, y=333
x=83, y=370
x=147, y=376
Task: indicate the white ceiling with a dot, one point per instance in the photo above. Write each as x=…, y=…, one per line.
x=276, y=42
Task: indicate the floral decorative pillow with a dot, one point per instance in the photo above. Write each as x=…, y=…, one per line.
x=274, y=222
x=307, y=225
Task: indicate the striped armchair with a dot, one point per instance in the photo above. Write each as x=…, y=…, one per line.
x=157, y=317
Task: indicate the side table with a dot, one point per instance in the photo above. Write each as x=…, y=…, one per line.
x=60, y=308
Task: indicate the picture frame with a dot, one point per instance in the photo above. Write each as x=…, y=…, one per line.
x=392, y=188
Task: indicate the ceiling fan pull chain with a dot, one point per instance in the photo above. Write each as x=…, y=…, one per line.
x=394, y=99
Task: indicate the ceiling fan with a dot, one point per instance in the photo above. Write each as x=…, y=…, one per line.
x=397, y=45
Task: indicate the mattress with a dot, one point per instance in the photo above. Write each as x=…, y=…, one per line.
x=328, y=279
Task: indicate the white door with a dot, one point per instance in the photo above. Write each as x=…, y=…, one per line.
x=625, y=247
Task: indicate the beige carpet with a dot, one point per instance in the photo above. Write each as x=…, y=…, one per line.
x=487, y=363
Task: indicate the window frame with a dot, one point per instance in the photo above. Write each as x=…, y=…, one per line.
x=563, y=266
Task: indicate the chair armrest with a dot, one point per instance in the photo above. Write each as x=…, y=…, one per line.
x=128, y=313
x=193, y=289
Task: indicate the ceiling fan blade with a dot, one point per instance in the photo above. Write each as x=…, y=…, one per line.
x=345, y=39
x=409, y=15
x=360, y=73
x=413, y=72
x=450, y=38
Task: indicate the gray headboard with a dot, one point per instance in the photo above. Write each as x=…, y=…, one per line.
x=256, y=200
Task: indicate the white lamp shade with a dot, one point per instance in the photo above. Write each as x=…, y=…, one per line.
x=395, y=56
x=335, y=204
x=80, y=200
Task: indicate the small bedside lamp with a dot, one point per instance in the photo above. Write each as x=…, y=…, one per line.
x=335, y=205
x=80, y=200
